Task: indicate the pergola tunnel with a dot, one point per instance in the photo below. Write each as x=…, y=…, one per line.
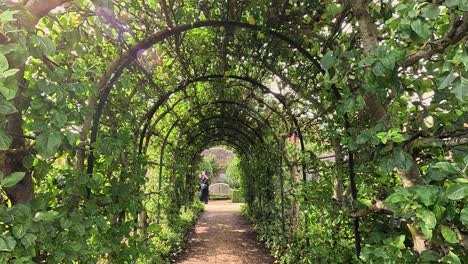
x=347, y=120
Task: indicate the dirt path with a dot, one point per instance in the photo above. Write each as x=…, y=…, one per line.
x=224, y=236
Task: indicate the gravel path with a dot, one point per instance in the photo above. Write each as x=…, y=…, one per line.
x=223, y=236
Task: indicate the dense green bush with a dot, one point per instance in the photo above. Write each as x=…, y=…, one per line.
x=237, y=196
x=233, y=174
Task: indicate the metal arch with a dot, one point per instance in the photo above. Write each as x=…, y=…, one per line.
x=279, y=97
x=245, y=135
x=258, y=134
x=149, y=115
x=241, y=106
x=144, y=133
x=241, y=138
x=236, y=120
x=217, y=141
x=225, y=128
x=212, y=128
x=116, y=69
x=203, y=131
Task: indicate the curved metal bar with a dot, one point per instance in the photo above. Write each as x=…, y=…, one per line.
x=228, y=128
x=116, y=68
x=182, y=86
x=216, y=141
x=236, y=120
x=241, y=106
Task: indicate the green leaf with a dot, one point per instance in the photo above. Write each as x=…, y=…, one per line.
x=6, y=107
x=21, y=213
x=19, y=230
x=5, y=139
x=439, y=211
x=427, y=194
x=395, y=198
x=383, y=136
x=3, y=63
x=7, y=243
x=462, y=4
x=403, y=160
x=28, y=161
x=28, y=240
x=41, y=169
x=428, y=256
x=9, y=88
x=456, y=191
x=446, y=80
x=400, y=242
x=388, y=62
x=45, y=44
x=445, y=166
x=451, y=3
x=451, y=258
x=366, y=202
x=460, y=89
x=464, y=216
x=421, y=28
x=59, y=118
x=13, y=179
x=426, y=231
x=7, y=16
x=156, y=228
x=430, y=11
x=397, y=138
x=428, y=218
x=378, y=69
x=46, y=216
x=48, y=144
x=9, y=73
x=328, y=60
x=448, y=234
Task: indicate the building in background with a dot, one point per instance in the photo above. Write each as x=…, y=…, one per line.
x=222, y=157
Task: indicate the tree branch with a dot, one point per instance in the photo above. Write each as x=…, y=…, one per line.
x=457, y=33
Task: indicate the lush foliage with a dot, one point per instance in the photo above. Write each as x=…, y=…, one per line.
x=348, y=118
x=209, y=165
x=233, y=174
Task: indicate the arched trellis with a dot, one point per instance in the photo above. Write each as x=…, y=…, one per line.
x=116, y=69
x=215, y=127
x=234, y=120
x=253, y=113
x=249, y=114
x=255, y=83
x=145, y=133
x=150, y=114
x=161, y=157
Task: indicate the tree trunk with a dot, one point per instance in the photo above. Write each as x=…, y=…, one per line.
x=12, y=159
x=375, y=109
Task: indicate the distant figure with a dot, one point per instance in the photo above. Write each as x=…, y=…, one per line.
x=204, y=187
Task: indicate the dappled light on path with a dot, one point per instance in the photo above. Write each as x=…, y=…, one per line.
x=223, y=235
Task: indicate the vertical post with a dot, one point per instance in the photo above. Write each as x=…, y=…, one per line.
x=283, y=227
x=161, y=157
x=352, y=184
